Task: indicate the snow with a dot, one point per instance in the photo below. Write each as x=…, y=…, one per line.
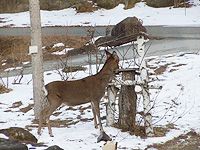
x=58, y=45
x=13, y=68
x=180, y=94
x=177, y=102
x=63, y=52
x=150, y=16
x=25, y=63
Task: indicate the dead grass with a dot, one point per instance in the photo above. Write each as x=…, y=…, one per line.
x=85, y=7
x=26, y=109
x=3, y=89
x=179, y=65
x=14, y=49
x=161, y=69
x=140, y=131
x=189, y=141
x=16, y=104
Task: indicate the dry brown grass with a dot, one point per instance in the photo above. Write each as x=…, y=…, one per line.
x=85, y=7
x=189, y=141
x=14, y=49
x=3, y=89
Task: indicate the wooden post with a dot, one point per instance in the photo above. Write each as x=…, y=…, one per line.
x=145, y=91
x=36, y=54
x=127, y=103
x=110, y=108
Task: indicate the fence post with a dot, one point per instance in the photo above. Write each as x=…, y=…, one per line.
x=145, y=91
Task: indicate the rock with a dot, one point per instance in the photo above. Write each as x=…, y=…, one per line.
x=55, y=147
x=129, y=3
x=128, y=26
x=124, y=32
x=85, y=6
x=161, y=3
x=109, y=4
x=14, y=6
x=103, y=137
x=11, y=145
x=19, y=134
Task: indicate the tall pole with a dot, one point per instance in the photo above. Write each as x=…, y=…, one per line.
x=36, y=54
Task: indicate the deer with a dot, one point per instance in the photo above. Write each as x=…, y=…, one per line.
x=77, y=92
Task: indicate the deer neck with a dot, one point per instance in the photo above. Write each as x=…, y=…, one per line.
x=106, y=73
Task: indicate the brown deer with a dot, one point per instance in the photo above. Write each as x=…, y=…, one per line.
x=72, y=93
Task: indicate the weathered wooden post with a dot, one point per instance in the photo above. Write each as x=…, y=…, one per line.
x=110, y=108
x=127, y=102
x=37, y=60
x=145, y=91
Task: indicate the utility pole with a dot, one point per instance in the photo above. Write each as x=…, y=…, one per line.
x=36, y=54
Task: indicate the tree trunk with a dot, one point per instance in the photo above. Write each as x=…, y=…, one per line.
x=110, y=108
x=127, y=104
x=37, y=59
x=145, y=90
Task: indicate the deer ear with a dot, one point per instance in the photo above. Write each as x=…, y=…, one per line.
x=115, y=56
x=108, y=53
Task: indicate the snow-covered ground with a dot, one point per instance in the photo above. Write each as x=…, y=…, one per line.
x=149, y=16
x=179, y=96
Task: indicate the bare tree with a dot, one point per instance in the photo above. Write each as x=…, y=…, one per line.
x=37, y=58
x=145, y=91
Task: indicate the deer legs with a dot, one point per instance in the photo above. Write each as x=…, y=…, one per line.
x=103, y=136
x=95, y=116
x=45, y=114
x=96, y=112
x=47, y=111
x=41, y=120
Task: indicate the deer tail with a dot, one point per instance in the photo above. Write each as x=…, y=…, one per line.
x=45, y=100
x=45, y=91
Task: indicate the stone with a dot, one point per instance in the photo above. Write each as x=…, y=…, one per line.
x=124, y=32
x=107, y=4
x=11, y=145
x=161, y=3
x=103, y=137
x=15, y=6
x=55, y=147
x=19, y=134
x=128, y=26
